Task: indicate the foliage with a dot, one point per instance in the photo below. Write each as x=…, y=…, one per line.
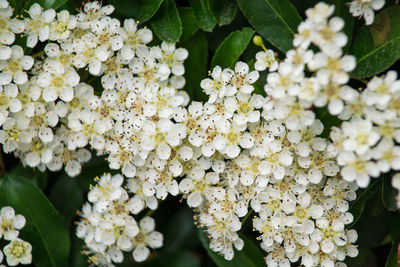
x=215, y=32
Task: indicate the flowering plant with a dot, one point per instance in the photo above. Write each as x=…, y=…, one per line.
x=119, y=149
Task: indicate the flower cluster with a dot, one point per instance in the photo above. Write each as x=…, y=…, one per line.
x=238, y=153
x=17, y=251
x=49, y=115
x=108, y=227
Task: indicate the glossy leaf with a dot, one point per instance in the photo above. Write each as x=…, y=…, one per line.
x=96, y=167
x=189, y=24
x=176, y=259
x=45, y=229
x=389, y=193
x=66, y=188
x=46, y=4
x=224, y=11
x=392, y=257
x=141, y=10
x=377, y=47
x=358, y=205
x=196, y=65
x=186, y=237
x=249, y=256
x=39, y=178
x=166, y=23
x=275, y=20
x=204, y=17
x=231, y=48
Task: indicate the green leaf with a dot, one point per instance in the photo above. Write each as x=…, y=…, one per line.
x=39, y=178
x=250, y=256
x=16, y=5
x=231, y=48
x=46, y=4
x=395, y=226
x=275, y=20
x=377, y=47
x=77, y=259
x=204, y=17
x=224, y=11
x=189, y=24
x=66, y=188
x=389, y=194
x=97, y=166
x=176, y=259
x=166, y=23
x=358, y=205
x=44, y=229
x=196, y=65
x=186, y=237
x=392, y=257
x=141, y=10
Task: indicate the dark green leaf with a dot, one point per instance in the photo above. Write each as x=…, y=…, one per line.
x=16, y=5
x=176, y=259
x=38, y=177
x=189, y=24
x=66, y=188
x=204, y=17
x=224, y=11
x=231, y=48
x=392, y=257
x=196, y=65
x=141, y=10
x=364, y=258
x=46, y=4
x=395, y=226
x=186, y=237
x=275, y=20
x=250, y=256
x=377, y=47
x=77, y=259
x=358, y=205
x=389, y=194
x=44, y=229
x=97, y=166
x=166, y=23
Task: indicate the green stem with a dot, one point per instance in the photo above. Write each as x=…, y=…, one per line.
x=247, y=216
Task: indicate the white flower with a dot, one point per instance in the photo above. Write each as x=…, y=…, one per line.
x=147, y=237
x=38, y=25
x=360, y=136
x=133, y=37
x=14, y=68
x=9, y=26
x=18, y=251
x=108, y=189
x=380, y=89
x=266, y=59
x=366, y=9
x=58, y=85
x=10, y=223
x=61, y=27
x=218, y=86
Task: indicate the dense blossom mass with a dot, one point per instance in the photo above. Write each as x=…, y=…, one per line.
x=239, y=152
